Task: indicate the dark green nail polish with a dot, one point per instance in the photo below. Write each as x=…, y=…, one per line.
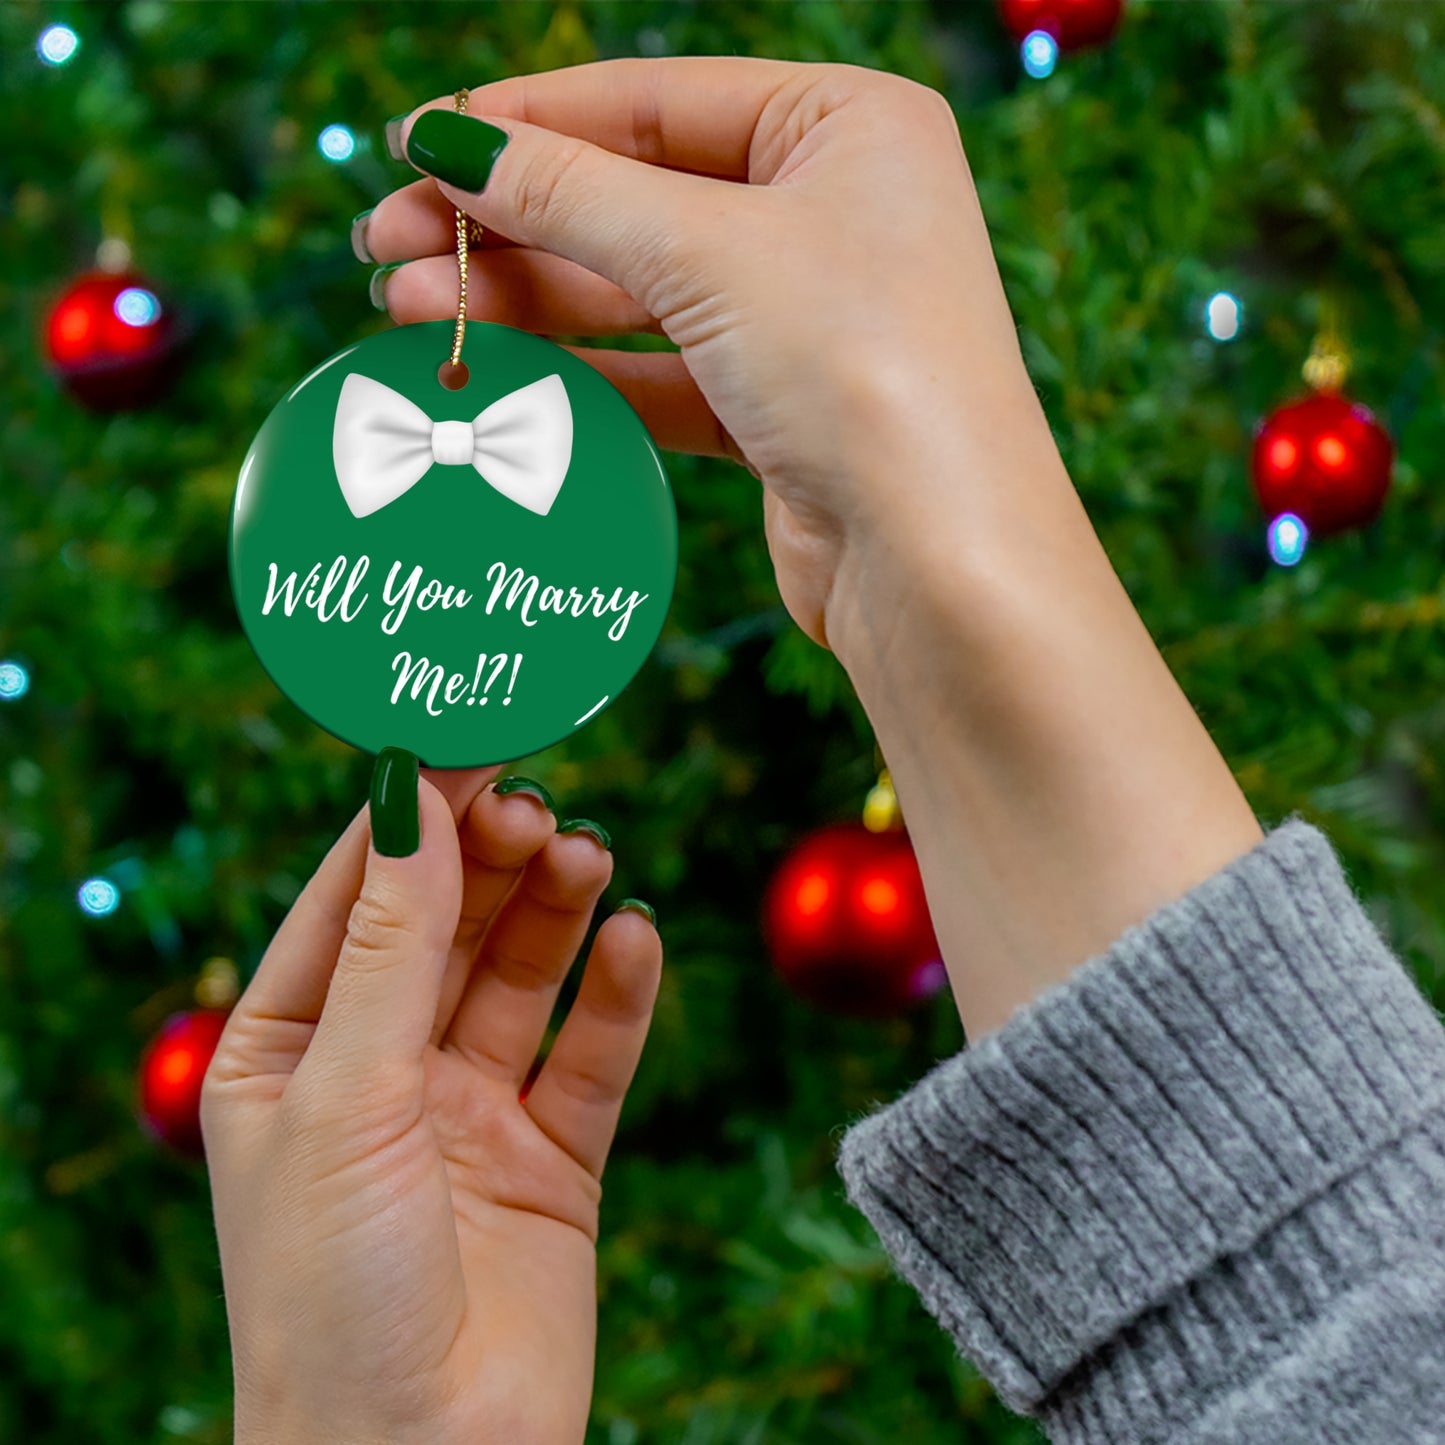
x=586, y=825
x=636, y=905
x=530, y=786
x=393, y=137
x=455, y=148
x=376, y=289
x=359, y=248
x=395, y=813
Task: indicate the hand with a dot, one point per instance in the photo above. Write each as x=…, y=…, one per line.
x=842, y=300
x=844, y=332
x=407, y=1246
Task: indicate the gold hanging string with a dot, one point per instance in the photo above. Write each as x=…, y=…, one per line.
x=459, y=100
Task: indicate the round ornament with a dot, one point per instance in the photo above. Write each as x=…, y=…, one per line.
x=1073, y=24
x=172, y=1070
x=1325, y=459
x=112, y=341
x=468, y=574
x=847, y=923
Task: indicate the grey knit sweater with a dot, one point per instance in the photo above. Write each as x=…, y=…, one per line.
x=1196, y=1192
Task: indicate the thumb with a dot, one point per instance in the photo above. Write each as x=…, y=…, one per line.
x=623, y=219
x=382, y=999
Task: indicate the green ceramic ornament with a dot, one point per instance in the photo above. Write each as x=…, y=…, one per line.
x=471, y=575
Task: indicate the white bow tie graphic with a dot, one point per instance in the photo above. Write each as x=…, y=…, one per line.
x=383, y=444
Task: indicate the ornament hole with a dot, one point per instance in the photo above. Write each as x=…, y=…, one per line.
x=453, y=376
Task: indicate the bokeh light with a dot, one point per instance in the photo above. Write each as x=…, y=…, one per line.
x=1287, y=538
x=14, y=681
x=336, y=143
x=1223, y=316
x=98, y=897
x=1282, y=454
x=177, y=1066
x=1040, y=54
x=57, y=44
x=813, y=893
x=138, y=307
x=929, y=978
x=879, y=897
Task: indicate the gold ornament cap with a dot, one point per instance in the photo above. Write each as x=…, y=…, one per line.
x=881, y=813
x=1328, y=365
x=219, y=985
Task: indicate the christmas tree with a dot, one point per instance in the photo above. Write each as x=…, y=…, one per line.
x=1179, y=215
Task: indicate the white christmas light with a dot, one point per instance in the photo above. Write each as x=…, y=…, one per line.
x=1040, y=53
x=57, y=44
x=1223, y=316
x=137, y=306
x=1287, y=538
x=336, y=143
x=14, y=681
x=98, y=897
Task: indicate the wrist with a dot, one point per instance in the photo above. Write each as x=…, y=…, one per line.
x=1056, y=782
x=945, y=540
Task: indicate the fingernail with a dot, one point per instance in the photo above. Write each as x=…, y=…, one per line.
x=376, y=288
x=393, y=137
x=530, y=787
x=395, y=813
x=586, y=825
x=636, y=905
x=455, y=148
x=359, y=248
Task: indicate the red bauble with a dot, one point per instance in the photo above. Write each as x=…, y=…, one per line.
x=1073, y=23
x=171, y=1071
x=1324, y=458
x=847, y=923
x=111, y=341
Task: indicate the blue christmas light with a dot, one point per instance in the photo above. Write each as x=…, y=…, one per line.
x=1287, y=537
x=336, y=143
x=57, y=44
x=14, y=681
x=138, y=307
x=1223, y=316
x=98, y=897
x=1040, y=53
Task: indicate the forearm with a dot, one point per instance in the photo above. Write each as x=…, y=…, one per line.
x=1056, y=782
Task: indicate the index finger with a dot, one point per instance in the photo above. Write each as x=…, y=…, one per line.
x=461, y=786
x=688, y=112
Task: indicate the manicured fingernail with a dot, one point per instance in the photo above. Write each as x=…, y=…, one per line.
x=586, y=825
x=636, y=905
x=393, y=137
x=530, y=786
x=455, y=148
x=395, y=813
x=376, y=289
x=359, y=248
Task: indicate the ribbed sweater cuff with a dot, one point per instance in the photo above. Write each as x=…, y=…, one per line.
x=1170, y=1109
